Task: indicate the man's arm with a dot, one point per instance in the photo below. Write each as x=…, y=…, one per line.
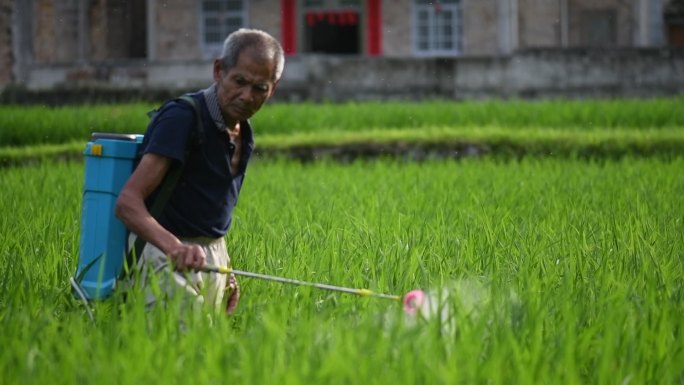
x=131, y=210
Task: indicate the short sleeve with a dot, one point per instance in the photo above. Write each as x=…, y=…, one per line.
x=169, y=131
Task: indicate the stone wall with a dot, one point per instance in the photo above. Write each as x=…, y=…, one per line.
x=525, y=74
x=574, y=73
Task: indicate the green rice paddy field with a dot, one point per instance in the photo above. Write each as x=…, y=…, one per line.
x=583, y=261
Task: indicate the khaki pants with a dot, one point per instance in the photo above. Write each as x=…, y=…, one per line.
x=160, y=282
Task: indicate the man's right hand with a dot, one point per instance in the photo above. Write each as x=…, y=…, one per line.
x=188, y=257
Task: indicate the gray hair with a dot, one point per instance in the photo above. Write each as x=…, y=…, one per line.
x=245, y=38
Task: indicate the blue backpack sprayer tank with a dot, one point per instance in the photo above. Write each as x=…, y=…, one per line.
x=109, y=162
x=110, y=159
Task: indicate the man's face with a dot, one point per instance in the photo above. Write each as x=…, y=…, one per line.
x=243, y=89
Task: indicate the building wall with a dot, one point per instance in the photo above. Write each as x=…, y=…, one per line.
x=45, y=32
x=176, y=27
x=63, y=47
x=65, y=34
x=539, y=23
x=397, y=40
x=177, y=30
x=261, y=16
x=625, y=21
x=480, y=27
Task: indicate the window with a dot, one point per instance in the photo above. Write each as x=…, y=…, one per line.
x=332, y=26
x=675, y=35
x=674, y=21
x=437, y=27
x=75, y=42
x=219, y=19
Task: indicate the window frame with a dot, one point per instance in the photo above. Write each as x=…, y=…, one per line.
x=433, y=37
x=213, y=50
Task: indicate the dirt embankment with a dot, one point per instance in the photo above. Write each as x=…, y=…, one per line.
x=402, y=151
x=406, y=151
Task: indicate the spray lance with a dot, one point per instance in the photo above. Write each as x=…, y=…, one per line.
x=411, y=299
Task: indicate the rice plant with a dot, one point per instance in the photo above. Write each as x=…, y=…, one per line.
x=592, y=250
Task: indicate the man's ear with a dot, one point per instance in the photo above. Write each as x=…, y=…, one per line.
x=218, y=70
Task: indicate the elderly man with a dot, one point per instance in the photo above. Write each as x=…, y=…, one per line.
x=189, y=232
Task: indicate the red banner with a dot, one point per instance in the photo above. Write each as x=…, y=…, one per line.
x=332, y=18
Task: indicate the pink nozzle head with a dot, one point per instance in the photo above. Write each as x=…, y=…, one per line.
x=413, y=300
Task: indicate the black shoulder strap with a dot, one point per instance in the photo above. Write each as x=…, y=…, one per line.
x=199, y=131
x=168, y=184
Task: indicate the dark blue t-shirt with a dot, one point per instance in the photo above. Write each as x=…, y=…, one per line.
x=202, y=203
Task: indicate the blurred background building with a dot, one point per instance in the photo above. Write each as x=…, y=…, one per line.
x=348, y=49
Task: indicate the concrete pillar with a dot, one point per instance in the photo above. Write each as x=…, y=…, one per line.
x=22, y=39
x=640, y=32
x=83, y=32
x=649, y=25
x=656, y=23
x=564, y=24
x=507, y=26
x=515, y=28
x=151, y=30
